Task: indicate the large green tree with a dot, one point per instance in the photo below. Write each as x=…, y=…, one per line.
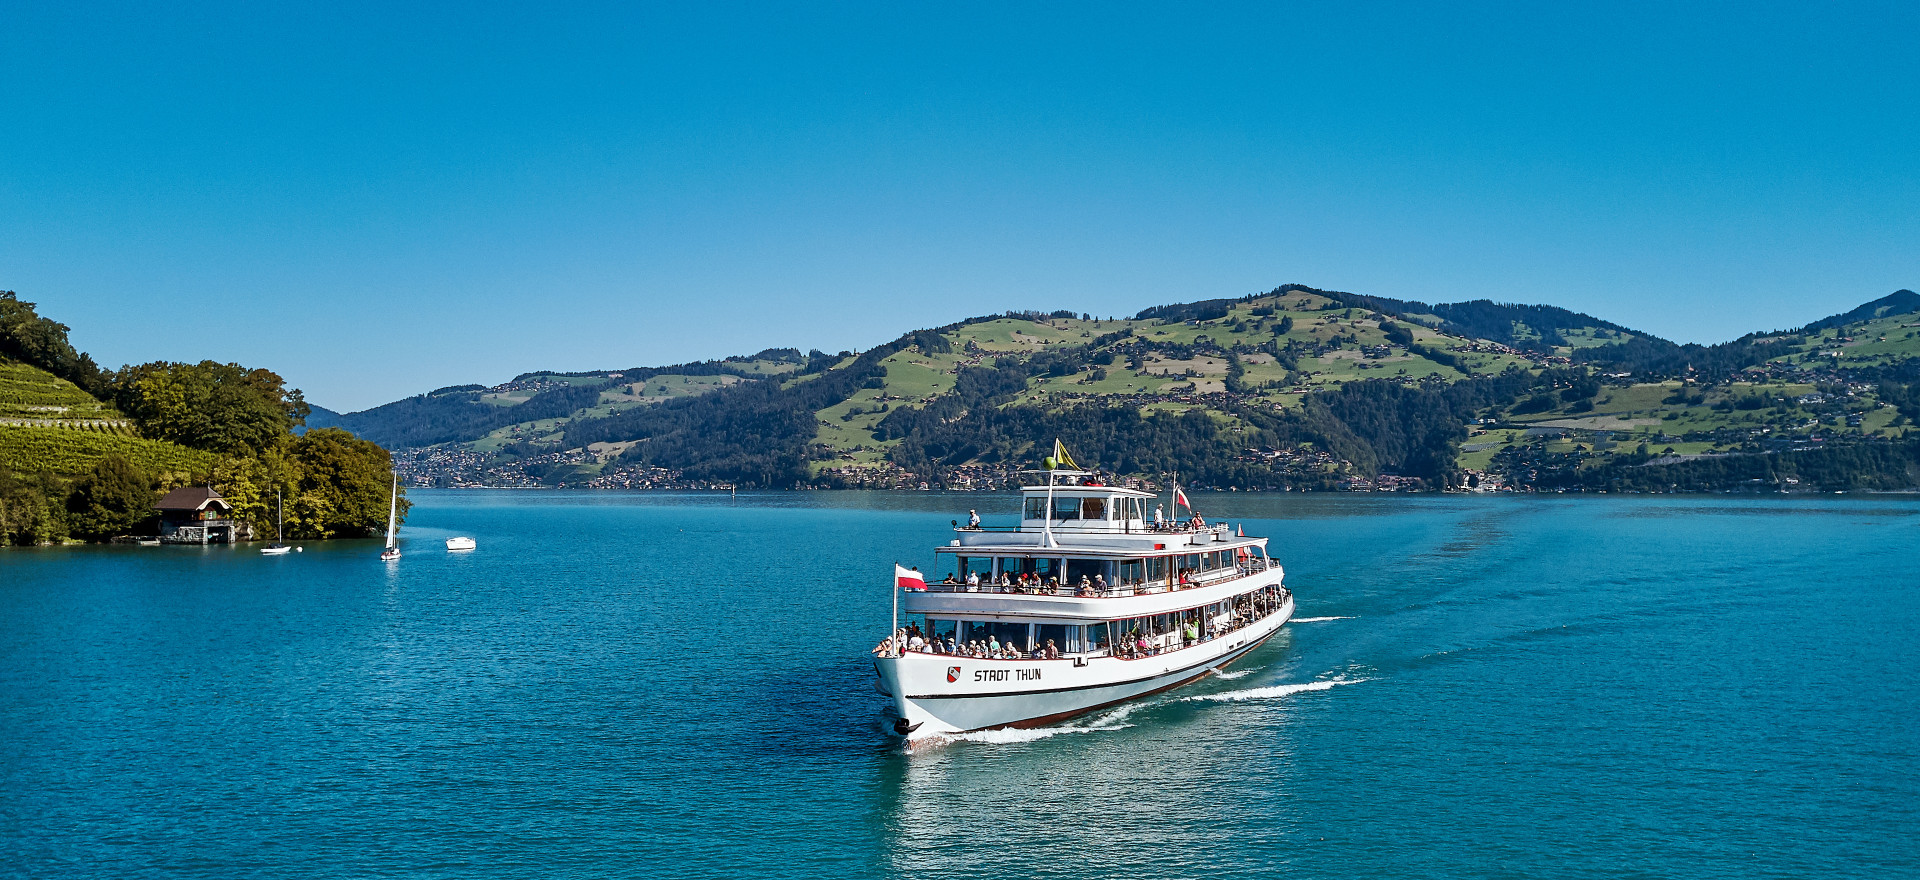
x=342, y=486
x=224, y=408
x=32, y=508
x=113, y=499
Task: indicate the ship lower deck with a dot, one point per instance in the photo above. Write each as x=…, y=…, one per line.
x=943, y=694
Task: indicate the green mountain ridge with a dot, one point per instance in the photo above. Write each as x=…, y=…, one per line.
x=1293, y=388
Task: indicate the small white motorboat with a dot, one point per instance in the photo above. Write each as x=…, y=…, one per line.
x=460, y=544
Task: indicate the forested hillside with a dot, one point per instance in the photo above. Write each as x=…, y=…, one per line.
x=1293, y=388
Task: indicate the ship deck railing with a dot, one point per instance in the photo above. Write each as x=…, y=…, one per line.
x=1159, y=644
x=1105, y=527
x=1205, y=579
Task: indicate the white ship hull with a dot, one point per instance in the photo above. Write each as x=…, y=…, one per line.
x=943, y=694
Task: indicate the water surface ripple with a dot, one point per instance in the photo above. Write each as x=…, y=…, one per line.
x=676, y=685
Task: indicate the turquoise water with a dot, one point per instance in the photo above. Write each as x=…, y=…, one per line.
x=678, y=686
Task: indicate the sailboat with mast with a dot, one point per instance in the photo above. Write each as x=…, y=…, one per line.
x=393, y=510
x=279, y=546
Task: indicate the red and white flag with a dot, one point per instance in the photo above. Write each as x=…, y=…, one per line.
x=1180, y=498
x=908, y=579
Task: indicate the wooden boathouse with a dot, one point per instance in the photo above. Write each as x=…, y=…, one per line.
x=198, y=515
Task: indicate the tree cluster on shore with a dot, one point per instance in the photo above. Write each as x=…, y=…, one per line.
x=333, y=484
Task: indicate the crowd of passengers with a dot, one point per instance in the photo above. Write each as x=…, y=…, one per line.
x=1028, y=582
x=1133, y=645
x=991, y=649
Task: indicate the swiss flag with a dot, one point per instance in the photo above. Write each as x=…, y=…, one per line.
x=908, y=579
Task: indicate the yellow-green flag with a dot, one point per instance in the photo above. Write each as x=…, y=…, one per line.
x=1060, y=455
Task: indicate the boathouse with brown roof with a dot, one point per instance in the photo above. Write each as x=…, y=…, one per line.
x=198, y=515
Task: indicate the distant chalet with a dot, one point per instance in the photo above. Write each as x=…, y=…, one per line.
x=198, y=515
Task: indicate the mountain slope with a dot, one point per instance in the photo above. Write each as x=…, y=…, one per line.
x=1293, y=387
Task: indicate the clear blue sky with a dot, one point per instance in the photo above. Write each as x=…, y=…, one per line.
x=376, y=203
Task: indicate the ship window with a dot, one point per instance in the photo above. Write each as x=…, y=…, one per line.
x=981, y=565
x=943, y=629
x=1156, y=567
x=1066, y=508
x=1036, y=508
x=1093, y=508
x=1087, y=568
x=1057, y=632
x=1097, y=638
x=1014, y=634
x=1132, y=570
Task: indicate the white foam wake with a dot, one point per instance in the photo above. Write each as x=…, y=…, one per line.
x=1229, y=676
x=1316, y=619
x=1106, y=721
x=1268, y=693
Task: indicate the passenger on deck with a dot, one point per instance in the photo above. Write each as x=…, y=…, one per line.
x=1100, y=582
x=1053, y=653
x=950, y=581
x=993, y=646
x=973, y=582
x=973, y=519
x=1159, y=516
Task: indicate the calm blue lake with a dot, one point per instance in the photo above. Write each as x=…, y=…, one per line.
x=658, y=685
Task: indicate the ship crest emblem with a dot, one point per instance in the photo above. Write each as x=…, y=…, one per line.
x=953, y=674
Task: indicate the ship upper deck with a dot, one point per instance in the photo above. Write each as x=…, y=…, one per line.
x=1084, y=516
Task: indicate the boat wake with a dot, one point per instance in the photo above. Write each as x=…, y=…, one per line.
x=1104, y=722
x=1229, y=676
x=1268, y=693
x=1316, y=619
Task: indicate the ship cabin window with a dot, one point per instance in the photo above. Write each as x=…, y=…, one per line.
x=943, y=629
x=1036, y=508
x=1065, y=639
x=1157, y=567
x=987, y=631
x=1066, y=508
x=1087, y=568
x=980, y=565
x=1132, y=570
x=1014, y=566
x=1096, y=638
x=1093, y=508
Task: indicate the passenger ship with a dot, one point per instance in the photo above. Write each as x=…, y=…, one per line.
x=1091, y=602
